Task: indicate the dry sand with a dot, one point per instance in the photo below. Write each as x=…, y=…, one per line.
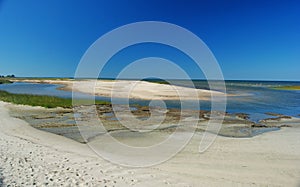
x=31, y=157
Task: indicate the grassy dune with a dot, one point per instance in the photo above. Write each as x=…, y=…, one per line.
x=44, y=101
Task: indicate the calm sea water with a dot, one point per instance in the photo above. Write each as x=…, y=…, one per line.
x=255, y=97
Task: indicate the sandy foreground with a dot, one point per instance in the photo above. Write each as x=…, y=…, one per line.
x=31, y=157
x=133, y=89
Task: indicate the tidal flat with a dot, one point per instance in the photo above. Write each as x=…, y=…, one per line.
x=61, y=121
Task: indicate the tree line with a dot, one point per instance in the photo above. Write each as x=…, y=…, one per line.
x=7, y=76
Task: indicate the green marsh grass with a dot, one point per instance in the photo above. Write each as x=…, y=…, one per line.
x=287, y=88
x=4, y=81
x=44, y=101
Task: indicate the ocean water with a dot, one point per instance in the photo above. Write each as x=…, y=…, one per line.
x=251, y=97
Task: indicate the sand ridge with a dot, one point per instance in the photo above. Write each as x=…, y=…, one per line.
x=133, y=89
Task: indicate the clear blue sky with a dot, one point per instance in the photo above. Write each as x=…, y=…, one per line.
x=251, y=39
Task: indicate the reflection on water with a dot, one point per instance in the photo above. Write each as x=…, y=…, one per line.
x=254, y=97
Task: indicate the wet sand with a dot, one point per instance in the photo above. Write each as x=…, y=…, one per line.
x=62, y=122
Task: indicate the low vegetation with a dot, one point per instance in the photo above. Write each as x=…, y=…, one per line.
x=44, y=101
x=5, y=81
x=287, y=88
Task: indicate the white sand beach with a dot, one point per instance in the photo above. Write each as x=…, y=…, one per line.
x=30, y=157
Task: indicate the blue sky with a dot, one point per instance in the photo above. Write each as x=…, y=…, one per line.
x=253, y=40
